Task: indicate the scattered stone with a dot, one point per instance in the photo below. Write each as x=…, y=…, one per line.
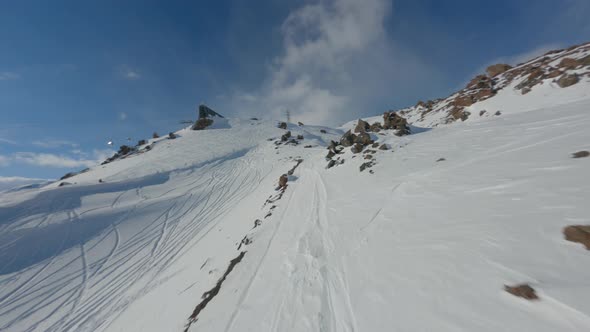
x=362, y=126
x=155, y=135
x=368, y=156
x=578, y=234
x=481, y=113
x=440, y=159
x=171, y=135
x=308, y=146
x=323, y=131
x=286, y=136
x=498, y=113
x=141, y=142
x=525, y=90
x=64, y=184
x=299, y=123
x=356, y=148
x=497, y=69
x=567, y=80
x=300, y=137
x=384, y=147
x=366, y=165
x=331, y=163
x=283, y=181
x=580, y=154
x=282, y=125
x=375, y=145
x=525, y=291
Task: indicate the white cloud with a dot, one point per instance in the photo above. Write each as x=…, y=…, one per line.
x=9, y=182
x=122, y=116
x=4, y=161
x=54, y=143
x=62, y=161
x=129, y=73
x=132, y=75
x=7, y=141
x=7, y=75
x=335, y=55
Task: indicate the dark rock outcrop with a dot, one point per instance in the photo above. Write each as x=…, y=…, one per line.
x=391, y=120
x=282, y=125
x=347, y=139
x=362, y=126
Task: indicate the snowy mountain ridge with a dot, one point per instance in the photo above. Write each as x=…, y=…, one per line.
x=244, y=226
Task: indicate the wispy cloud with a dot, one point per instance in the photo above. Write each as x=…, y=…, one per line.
x=4, y=161
x=7, y=75
x=60, y=160
x=7, y=141
x=9, y=182
x=54, y=144
x=129, y=73
x=336, y=56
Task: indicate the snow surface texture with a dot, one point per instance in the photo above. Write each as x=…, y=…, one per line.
x=418, y=245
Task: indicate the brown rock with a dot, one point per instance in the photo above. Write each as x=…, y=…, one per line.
x=580, y=154
x=569, y=63
x=347, y=139
x=362, y=126
x=525, y=291
x=286, y=136
x=463, y=101
x=479, y=82
x=578, y=234
x=376, y=127
x=283, y=181
x=357, y=148
x=484, y=94
x=384, y=147
x=364, y=139
x=567, y=80
x=497, y=69
x=282, y=125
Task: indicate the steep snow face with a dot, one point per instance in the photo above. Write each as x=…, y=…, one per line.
x=132, y=245
x=425, y=244
x=425, y=239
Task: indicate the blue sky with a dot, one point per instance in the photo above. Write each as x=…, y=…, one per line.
x=75, y=74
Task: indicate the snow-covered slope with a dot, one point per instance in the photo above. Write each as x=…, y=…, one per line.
x=196, y=235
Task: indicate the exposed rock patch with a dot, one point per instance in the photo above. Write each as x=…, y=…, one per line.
x=578, y=234
x=524, y=290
